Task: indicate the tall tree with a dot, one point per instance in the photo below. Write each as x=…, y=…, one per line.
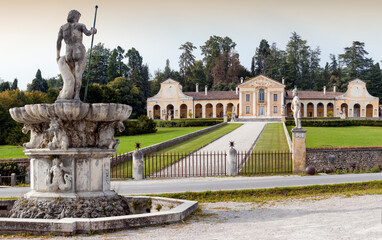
x=99, y=65
x=38, y=83
x=186, y=59
x=355, y=60
x=262, y=53
x=14, y=84
x=112, y=67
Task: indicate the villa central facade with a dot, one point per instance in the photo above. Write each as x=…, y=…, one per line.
x=260, y=97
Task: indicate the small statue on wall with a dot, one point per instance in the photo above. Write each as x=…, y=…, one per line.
x=343, y=113
x=296, y=109
x=58, y=177
x=106, y=132
x=60, y=139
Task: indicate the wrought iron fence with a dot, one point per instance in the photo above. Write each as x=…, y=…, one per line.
x=121, y=166
x=203, y=164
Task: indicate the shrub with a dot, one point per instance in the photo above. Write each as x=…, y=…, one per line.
x=336, y=123
x=188, y=123
x=142, y=125
x=9, y=167
x=375, y=169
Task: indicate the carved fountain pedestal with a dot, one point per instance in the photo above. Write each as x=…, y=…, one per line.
x=70, y=147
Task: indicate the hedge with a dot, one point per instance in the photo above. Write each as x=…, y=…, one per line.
x=142, y=125
x=9, y=167
x=336, y=123
x=188, y=123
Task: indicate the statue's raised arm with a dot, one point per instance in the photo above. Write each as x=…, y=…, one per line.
x=73, y=64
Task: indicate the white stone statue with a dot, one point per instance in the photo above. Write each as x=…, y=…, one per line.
x=73, y=64
x=58, y=177
x=233, y=117
x=60, y=139
x=343, y=113
x=296, y=108
x=106, y=134
x=38, y=138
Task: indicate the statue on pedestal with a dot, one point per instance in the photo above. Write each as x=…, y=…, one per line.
x=73, y=64
x=296, y=109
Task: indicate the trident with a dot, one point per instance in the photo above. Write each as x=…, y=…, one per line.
x=90, y=57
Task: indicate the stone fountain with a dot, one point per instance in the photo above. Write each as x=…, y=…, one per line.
x=71, y=142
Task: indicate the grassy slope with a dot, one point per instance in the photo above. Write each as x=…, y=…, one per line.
x=187, y=146
x=272, y=139
x=127, y=142
x=327, y=137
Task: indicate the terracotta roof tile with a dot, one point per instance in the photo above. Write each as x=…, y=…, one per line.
x=314, y=95
x=213, y=95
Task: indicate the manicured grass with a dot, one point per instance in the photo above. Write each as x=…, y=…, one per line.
x=7, y=152
x=279, y=194
x=356, y=136
x=270, y=154
x=272, y=139
x=127, y=142
x=163, y=134
x=187, y=146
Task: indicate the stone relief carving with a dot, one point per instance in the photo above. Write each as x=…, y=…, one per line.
x=60, y=138
x=296, y=108
x=106, y=132
x=39, y=137
x=59, y=177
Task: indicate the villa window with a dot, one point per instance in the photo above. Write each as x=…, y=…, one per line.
x=247, y=97
x=275, y=97
x=275, y=109
x=247, y=109
x=261, y=96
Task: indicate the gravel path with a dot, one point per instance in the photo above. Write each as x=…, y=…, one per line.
x=203, y=164
x=357, y=217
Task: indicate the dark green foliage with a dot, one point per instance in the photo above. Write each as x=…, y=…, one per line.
x=141, y=126
x=14, y=84
x=188, y=123
x=336, y=123
x=4, y=86
x=38, y=84
x=9, y=167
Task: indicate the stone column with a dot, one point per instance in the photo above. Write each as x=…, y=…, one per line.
x=315, y=106
x=268, y=103
x=254, y=105
x=213, y=110
x=231, y=166
x=203, y=111
x=299, y=150
x=138, y=173
x=240, y=104
x=305, y=110
x=225, y=117
x=325, y=111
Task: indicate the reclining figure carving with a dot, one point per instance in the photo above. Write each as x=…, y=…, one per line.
x=106, y=132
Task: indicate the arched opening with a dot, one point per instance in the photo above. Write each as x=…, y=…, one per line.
x=261, y=95
x=170, y=112
x=369, y=110
x=183, y=111
x=320, y=110
x=219, y=110
x=209, y=110
x=156, y=112
x=229, y=109
x=310, y=110
x=198, y=111
x=289, y=110
x=344, y=109
x=330, y=110
x=357, y=110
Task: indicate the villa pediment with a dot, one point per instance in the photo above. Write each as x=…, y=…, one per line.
x=261, y=81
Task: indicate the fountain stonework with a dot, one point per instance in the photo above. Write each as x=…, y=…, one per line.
x=70, y=146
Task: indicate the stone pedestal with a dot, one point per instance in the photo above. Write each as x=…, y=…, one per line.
x=138, y=171
x=86, y=173
x=299, y=150
x=231, y=166
x=225, y=118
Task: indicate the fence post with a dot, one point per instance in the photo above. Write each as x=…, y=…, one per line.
x=299, y=150
x=13, y=179
x=138, y=173
x=27, y=177
x=1, y=179
x=231, y=169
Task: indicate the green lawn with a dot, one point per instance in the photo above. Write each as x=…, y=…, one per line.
x=7, y=152
x=187, y=146
x=163, y=134
x=272, y=139
x=328, y=137
x=127, y=142
x=270, y=154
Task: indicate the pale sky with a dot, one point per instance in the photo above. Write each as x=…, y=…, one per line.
x=156, y=28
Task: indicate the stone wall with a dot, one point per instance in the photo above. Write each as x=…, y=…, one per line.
x=331, y=159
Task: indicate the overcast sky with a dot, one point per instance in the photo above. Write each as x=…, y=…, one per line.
x=156, y=28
